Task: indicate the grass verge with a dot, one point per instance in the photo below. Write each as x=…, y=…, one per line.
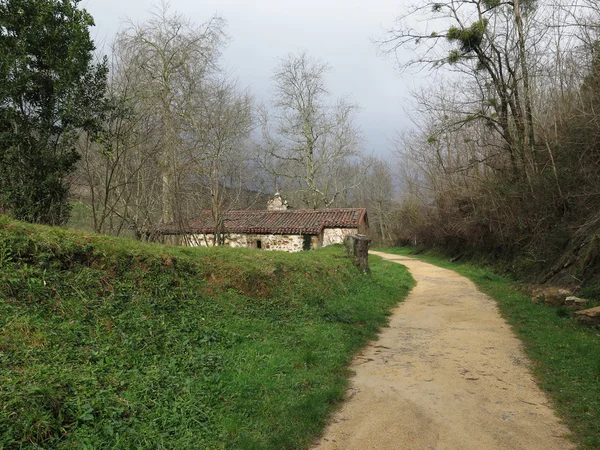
x=111, y=343
x=565, y=355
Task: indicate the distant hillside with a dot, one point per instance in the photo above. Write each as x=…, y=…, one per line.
x=110, y=343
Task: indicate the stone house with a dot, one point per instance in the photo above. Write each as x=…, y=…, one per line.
x=276, y=228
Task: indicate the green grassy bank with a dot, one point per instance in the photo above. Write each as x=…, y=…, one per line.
x=110, y=343
x=565, y=355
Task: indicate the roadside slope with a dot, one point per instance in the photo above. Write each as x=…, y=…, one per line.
x=448, y=374
x=110, y=343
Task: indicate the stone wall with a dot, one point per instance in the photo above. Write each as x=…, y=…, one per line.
x=282, y=242
x=336, y=235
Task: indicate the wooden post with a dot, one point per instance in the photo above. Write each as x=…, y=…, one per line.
x=357, y=248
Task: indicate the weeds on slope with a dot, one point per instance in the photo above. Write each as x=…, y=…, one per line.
x=110, y=343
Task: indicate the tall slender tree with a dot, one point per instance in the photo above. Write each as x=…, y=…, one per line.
x=485, y=41
x=310, y=141
x=173, y=60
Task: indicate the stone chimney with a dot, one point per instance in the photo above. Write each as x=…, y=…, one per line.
x=277, y=203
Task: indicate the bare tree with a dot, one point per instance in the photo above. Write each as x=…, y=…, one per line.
x=504, y=155
x=172, y=60
x=221, y=128
x=119, y=167
x=176, y=137
x=486, y=40
x=309, y=140
x=378, y=194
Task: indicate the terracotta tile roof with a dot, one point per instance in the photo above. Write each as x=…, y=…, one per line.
x=295, y=221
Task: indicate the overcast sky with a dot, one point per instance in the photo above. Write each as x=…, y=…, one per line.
x=338, y=32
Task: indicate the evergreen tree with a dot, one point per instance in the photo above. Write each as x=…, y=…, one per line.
x=50, y=90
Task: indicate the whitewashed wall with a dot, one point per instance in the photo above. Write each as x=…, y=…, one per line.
x=336, y=235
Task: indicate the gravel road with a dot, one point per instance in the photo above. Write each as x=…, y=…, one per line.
x=448, y=374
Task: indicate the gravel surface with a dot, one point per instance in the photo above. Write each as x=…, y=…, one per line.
x=448, y=373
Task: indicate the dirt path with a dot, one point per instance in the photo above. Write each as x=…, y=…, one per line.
x=447, y=374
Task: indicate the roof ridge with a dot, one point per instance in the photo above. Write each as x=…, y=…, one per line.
x=295, y=221
x=305, y=210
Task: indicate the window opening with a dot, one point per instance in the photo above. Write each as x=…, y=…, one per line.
x=306, y=242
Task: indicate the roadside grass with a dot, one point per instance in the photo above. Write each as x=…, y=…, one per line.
x=81, y=217
x=565, y=355
x=112, y=343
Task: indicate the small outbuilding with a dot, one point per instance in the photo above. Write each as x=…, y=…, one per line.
x=276, y=228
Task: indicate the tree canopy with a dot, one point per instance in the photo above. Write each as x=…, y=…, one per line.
x=49, y=89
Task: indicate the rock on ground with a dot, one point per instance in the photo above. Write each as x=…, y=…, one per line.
x=589, y=316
